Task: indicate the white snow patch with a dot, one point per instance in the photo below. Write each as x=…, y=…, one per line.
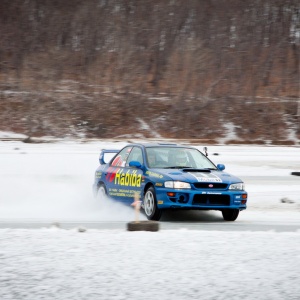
x=12, y=135
x=145, y=126
x=230, y=133
x=291, y=131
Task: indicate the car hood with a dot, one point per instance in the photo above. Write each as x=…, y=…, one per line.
x=197, y=175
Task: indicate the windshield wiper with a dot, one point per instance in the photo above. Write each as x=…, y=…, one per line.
x=177, y=167
x=206, y=170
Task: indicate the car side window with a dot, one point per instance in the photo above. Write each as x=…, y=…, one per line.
x=137, y=155
x=121, y=158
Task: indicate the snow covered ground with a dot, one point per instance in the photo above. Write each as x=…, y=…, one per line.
x=110, y=264
x=52, y=182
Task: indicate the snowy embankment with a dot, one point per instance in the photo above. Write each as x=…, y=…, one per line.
x=53, y=182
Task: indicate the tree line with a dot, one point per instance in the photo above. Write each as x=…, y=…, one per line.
x=96, y=67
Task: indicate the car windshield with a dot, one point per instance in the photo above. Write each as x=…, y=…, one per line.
x=177, y=157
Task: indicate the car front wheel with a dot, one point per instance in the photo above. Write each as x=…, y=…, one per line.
x=230, y=214
x=150, y=205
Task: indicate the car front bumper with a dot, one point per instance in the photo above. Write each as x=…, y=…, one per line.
x=201, y=199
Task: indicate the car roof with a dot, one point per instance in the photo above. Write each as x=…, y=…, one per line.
x=162, y=145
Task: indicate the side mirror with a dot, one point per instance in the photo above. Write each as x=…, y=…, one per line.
x=205, y=151
x=135, y=163
x=220, y=167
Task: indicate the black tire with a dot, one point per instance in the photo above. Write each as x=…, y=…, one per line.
x=143, y=226
x=230, y=214
x=150, y=205
x=296, y=173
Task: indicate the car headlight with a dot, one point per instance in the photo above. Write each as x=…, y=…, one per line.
x=177, y=185
x=237, y=186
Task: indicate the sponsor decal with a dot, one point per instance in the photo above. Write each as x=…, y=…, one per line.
x=160, y=202
x=119, y=177
x=111, y=173
x=211, y=193
x=118, y=161
x=130, y=178
x=123, y=192
x=153, y=174
x=158, y=184
x=211, y=185
x=121, y=158
x=206, y=177
x=98, y=174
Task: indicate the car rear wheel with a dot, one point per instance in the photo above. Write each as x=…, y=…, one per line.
x=101, y=194
x=230, y=214
x=150, y=205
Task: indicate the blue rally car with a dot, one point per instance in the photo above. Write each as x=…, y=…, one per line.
x=169, y=176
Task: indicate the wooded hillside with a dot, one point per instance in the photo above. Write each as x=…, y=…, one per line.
x=176, y=68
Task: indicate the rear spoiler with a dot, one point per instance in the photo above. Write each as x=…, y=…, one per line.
x=103, y=155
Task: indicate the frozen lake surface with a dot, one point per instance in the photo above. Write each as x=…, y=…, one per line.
x=195, y=255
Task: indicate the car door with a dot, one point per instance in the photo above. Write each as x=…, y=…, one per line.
x=115, y=175
x=129, y=179
x=122, y=180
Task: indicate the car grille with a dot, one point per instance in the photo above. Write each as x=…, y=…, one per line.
x=207, y=199
x=205, y=185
